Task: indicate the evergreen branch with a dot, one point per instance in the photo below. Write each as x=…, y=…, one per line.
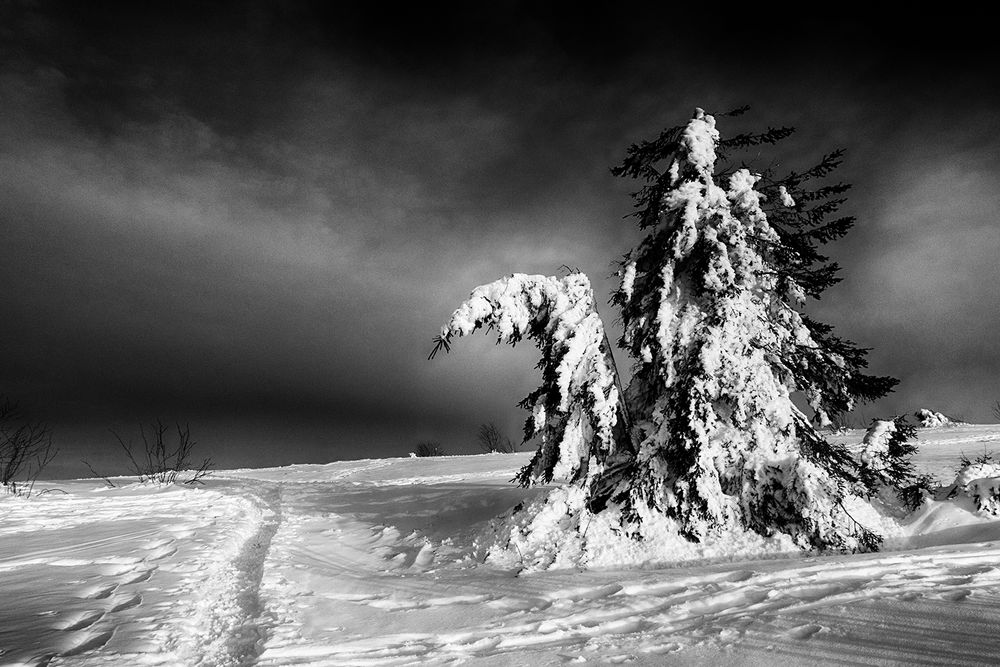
x=440, y=343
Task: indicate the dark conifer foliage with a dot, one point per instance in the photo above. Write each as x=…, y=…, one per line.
x=886, y=462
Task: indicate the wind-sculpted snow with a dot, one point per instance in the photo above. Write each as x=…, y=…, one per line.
x=380, y=562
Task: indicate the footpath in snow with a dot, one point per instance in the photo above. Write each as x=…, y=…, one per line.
x=375, y=562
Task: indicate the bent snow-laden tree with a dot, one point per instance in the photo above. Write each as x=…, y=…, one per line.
x=575, y=411
x=706, y=434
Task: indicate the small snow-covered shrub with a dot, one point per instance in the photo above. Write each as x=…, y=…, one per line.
x=984, y=465
x=931, y=419
x=985, y=491
x=979, y=479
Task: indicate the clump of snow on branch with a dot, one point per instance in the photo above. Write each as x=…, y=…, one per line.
x=698, y=141
x=628, y=279
x=575, y=410
x=786, y=199
x=885, y=463
x=875, y=445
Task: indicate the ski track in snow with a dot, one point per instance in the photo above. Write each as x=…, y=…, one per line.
x=372, y=562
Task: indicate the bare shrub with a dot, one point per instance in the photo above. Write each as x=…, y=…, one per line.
x=25, y=450
x=160, y=463
x=492, y=440
x=430, y=449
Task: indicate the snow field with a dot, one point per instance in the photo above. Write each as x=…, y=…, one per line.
x=136, y=575
x=377, y=562
x=402, y=595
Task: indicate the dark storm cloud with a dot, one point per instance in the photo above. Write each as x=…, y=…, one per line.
x=923, y=282
x=255, y=217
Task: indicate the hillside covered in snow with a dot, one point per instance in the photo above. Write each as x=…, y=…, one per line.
x=382, y=562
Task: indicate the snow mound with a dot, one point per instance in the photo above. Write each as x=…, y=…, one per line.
x=526, y=539
x=558, y=531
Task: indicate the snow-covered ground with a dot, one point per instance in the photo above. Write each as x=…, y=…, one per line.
x=375, y=562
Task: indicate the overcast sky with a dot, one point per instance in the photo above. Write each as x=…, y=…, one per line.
x=254, y=218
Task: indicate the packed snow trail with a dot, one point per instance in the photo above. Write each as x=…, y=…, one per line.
x=226, y=627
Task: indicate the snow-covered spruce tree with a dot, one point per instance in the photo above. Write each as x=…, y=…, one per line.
x=707, y=435
x=710, y=306
x=575, y=412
